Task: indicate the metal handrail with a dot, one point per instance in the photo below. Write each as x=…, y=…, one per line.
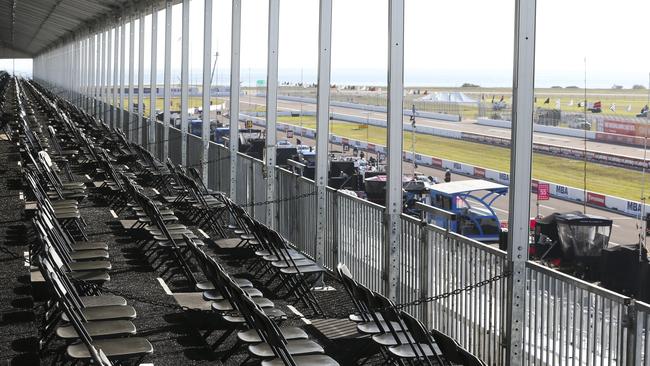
x=436, y=210
x=611, y=295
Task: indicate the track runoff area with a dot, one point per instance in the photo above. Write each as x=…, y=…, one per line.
x=624, y=228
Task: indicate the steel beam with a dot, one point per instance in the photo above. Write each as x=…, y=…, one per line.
x=520, y=173
x=102, y=73
x=394, y=146
x=128, y=129
x=207, y=86
x=109, y=78
x=153, y=94
x=167, y=77
x=185, y=51
x=140, y=80
x=122, y=74
x=272, y=106
x=98, y=75
x=116, y=75
x=322, y=120
x=235, y=87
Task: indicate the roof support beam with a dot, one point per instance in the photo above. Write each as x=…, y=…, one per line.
x=168, y=77
x=140, y=116
x=323, y=121
x=153, y=94
x=207, y=81
x=394, y=145
x=523, y=84
x=272, y=106
x=185, y=50
x=130, y=125
x=235, y=60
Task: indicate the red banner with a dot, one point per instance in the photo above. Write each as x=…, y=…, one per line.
x=619, y=127
x=436, y=162
x=479, y=172
x=595, y=199
x=371, y=147
x=543, y=193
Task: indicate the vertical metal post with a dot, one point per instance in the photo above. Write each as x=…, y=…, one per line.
x=109, y=77
x=271, y=106
x=128, y=129
x=140, y=80
x=207, y=81
x=520, y=172
x=98, y=75
x=102, y=74
x=235, y=48
x=322, y=120
x=185, y=50
x=116, y=74
x=394, y=145
x=83, y=73
x=167, y=77
x=93, y=63
x=122, y=67
x=153, y=84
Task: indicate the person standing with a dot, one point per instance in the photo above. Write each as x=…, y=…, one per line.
x=447, y=176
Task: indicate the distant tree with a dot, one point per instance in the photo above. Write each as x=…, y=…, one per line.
x=470, y=85
x=556, y=87
x=618, y=87
x=638, y=87
x=572, y=87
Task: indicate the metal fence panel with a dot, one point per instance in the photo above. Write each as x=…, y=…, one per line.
x=175, y=145
x=361, y=241
x=444, y=262
x=572, y=322
x=218, y=167
x=160, y=140
x=642, y=334
x=258, y=189
x=194, y=152
x=296, y=217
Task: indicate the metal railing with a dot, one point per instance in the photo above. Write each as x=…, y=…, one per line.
x=568, y=322
x=642, y=334
x=572, y=322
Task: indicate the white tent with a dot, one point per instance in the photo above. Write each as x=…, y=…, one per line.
x=449, y=97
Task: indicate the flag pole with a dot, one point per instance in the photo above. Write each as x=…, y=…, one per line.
x=584, y=203
x=642, y=223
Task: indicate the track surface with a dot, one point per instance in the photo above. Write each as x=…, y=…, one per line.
x=464, y=126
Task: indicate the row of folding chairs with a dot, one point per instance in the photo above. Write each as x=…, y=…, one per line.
x=94, y=328
x=255, y=318
x=401, y=337
x=274, y=255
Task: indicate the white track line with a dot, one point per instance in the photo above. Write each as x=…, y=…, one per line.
x=26, y=255
x=113, y=214
x=164, y=286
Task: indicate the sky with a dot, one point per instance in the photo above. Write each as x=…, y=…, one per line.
x=447, y=43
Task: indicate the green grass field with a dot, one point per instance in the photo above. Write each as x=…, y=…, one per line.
x=622, y=98
x=600, y=178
